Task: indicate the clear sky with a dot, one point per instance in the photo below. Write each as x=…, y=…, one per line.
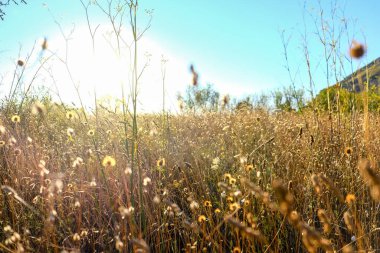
x=235, y=45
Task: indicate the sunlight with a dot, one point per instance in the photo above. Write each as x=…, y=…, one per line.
x=103, y=71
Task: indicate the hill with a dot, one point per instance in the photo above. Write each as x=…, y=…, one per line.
x=355, y=81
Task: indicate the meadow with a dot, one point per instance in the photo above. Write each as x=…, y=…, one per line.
x=246, y=180
x=212, y=177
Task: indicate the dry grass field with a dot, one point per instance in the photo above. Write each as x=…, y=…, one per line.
x=232, y=181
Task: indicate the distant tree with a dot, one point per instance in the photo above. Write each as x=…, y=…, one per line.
x=198, y=98
x=4, y=4
x=347, y=100
x=289, y=99
x=245, y=104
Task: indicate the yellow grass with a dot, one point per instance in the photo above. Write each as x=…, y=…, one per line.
x=247, y=181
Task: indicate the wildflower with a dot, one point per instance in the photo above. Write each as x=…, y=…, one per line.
x=258, y=174
x=243, y=159
x=161, y=162
x=201, y=218
x=229, y=199
x=176, y=184
x=119, y=245
x=156, y=200
x=2, y=144
x=207, y=203
x=2, y=130
x=59, y=185
x=16, y=119
x=126, y=211
x=215, y=163
x=38, y=108
x=12, y=141
x=7, y=228
x=237, y=193
x=93, y=182
x=70, y=114
x=20, y=63
x=348, y=151
x=147, y=181
x=249, y=167
x=234, y=206
x=217, y=211
x=194, y=205
x=84, y=233
x=246, y=203
x=108, y=161
x=227, y=176
x=232, y=181
x=70, y=132
x=78, y=161
x=76, y=237
x=128, y=171
x=16, y=236
x=236, y=250
x=357, y=50
x=153, y=132
x=91, y=132
x=350, y=198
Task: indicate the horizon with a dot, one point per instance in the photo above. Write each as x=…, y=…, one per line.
x=236, y=47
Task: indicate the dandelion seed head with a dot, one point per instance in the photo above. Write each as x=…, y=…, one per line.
x=44, y=44
x=76, y=237
x=156, y=200
x=70, y=132
x=93, y=183
x=128, y=171
x=357, y=50
x=126, y=211
x=2, y=130
x=20, y=63
x=147, y=181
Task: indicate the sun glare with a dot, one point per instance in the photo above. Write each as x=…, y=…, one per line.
x=102, y=70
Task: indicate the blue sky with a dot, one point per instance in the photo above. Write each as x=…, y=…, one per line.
x=235, y=45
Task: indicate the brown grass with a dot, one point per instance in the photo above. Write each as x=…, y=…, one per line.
x=247, y=181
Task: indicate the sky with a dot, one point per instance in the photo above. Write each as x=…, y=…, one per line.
x=234, y=45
